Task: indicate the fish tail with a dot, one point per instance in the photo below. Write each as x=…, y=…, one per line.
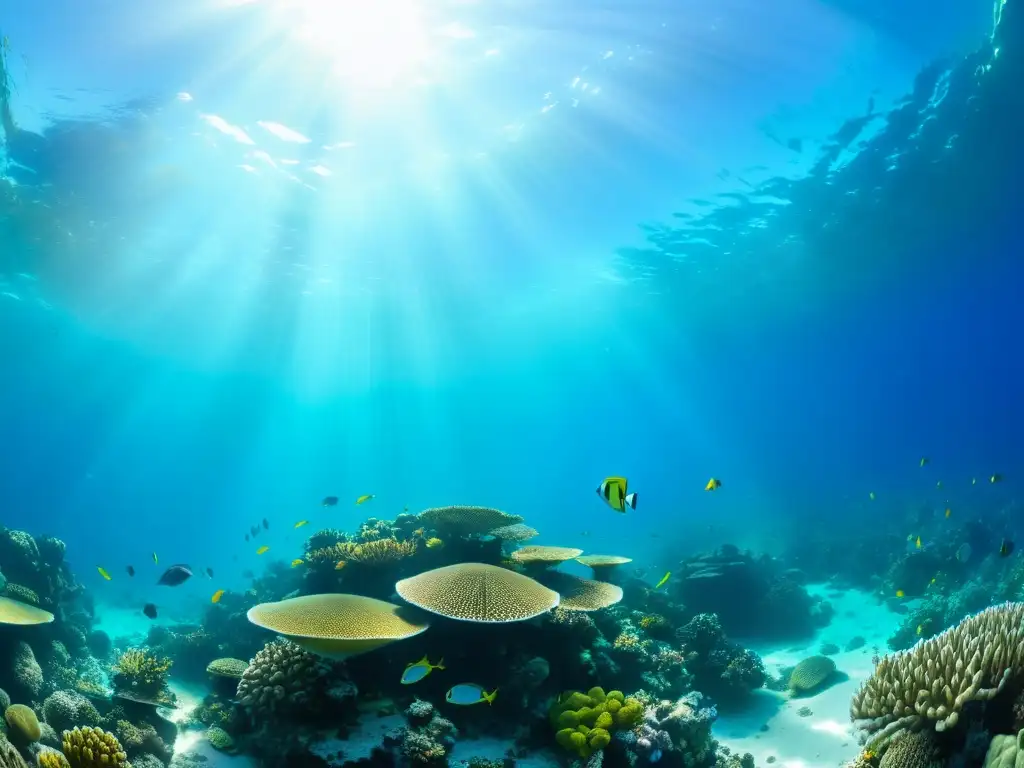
x=440, y=663
x=489, y=697
x=631, y=501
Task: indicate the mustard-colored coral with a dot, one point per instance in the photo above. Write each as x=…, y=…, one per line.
x=21, y=594
x=51, y=758
x=627, y=641
x=584, y=722
x=375, y=552
x=652, y=621
x=92, y=748
x=140, y=672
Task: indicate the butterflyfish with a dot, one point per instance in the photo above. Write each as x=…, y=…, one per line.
x=418, y=670
x=467, y=694
x=614, y=490
x=713, y=484
x=175, y=575
x=664, y=580
x=365, y=497
x=103, y=572
x=433, y=543
x=217, y=596
x=262, y=549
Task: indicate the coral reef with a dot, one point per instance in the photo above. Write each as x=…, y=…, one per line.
x=585, y=722
x=64, y=710
x=22, y=724
x=93, y=748
x=282, y=680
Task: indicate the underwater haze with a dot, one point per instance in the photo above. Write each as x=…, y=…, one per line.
x=258, y=253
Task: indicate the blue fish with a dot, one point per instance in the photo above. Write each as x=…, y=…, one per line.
x=467, y=694
x=418, y=670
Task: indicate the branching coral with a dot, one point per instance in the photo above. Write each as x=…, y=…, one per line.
x=370, y=553
x=141, y=672
x=682, y=726
x=93, y=748
x=932, y=681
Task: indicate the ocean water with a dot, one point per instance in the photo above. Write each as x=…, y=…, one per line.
x=253, y=254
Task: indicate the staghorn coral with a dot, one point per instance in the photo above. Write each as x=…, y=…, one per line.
x=280, y=680
x=932, y=681
x=93, y=748
x=374, y=553
x=141, y=672
x=64, y=710
x=22, y=724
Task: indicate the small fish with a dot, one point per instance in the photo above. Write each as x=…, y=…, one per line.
x=900, y=593
x=934, y=579
x=209, y=572
x=175, y=575
x=713, y=484
x=920, y=628
x=419, y=532
x=467, y=694
x=217, y=596
x=995, y=479
x=364, y=498
x=417, y=670
x=156, y=560
x=917, y=542
x=150, y=610
x=247, y=537
x=266, y=524
x=871, y=495
x=254, y=531
x=262, y=549
x=340, y=564
x=938, y=484
x=297, y=562
x=614, y=491
x=330, y=501
x=301, y=523
x=974, y=481
x=103, y=572
x=924, y=460
x=948, y=512
x=963, y=552
x=406, y=509
x=131, y=570
x=1005, y=548
x=584, y=533
x=434, y=542
x=664, y=580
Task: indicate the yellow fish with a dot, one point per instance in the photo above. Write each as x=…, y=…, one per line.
x=713, y=484
x=614, y=491
x=103, y=572
x=217, y=596
x=434, y=542
x=155, y=559
x=924, y=460
x=917, y=542
x=899, y=593
x=948, y=512
x=419, y=531
x=297, y=562
x=664, y=579
x=871, y=495
x=361, y=499
x=262, y=549
x=341, y=564
x=920, y=628
x=301, y=523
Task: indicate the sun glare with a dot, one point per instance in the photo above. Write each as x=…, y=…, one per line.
x=370, y=43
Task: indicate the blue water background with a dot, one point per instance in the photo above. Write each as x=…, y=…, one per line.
x=480, y=341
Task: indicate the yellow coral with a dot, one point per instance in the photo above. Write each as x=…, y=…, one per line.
x=626, y=641
x=374, y=552
x=51, y=758
x=629, y=715
x=652, y=621
x=93, y=748
x=584, y=722
x=141, y=672
x=599, y=738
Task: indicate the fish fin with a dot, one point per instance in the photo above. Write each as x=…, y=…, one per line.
x=631, y=501
x=489, y=697
x=440, y=663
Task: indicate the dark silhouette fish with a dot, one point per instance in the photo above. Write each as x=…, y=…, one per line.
x=131, y=570
x=247, y=537
x=175, y=575
x=266, y=524
x=150, y=610
x=209, y=572
x=330, y=501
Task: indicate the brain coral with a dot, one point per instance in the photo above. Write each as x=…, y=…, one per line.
x=281, y=678
x=933, y=680
x=912, y=750
x=811, y=673
x=93, y=748
x=478, y=592
x=66, y=709
x=227, y=668
x=22, y=723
